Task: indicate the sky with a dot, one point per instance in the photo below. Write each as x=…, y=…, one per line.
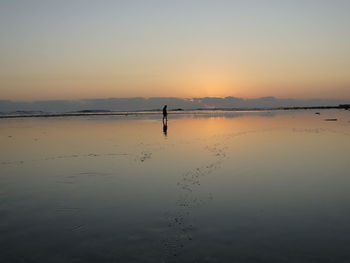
x=81, y=49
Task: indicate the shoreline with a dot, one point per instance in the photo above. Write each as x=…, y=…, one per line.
x=176, y=111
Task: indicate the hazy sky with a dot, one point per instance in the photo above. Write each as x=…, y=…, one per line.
x=58, y=49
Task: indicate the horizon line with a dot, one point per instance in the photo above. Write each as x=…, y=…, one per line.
x=182, y=98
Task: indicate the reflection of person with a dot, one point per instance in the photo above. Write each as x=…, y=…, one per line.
x=165, y=114
x=165, y=128
x=165, y=120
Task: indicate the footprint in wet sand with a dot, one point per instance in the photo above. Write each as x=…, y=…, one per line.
x=181, y=228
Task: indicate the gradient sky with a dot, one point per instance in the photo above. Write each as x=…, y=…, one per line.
x=93, y=49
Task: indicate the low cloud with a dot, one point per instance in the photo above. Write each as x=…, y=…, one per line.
x=139, y=103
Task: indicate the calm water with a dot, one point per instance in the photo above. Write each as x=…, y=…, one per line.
x=217, y=187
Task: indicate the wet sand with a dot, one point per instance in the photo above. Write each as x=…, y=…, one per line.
x=217, y=187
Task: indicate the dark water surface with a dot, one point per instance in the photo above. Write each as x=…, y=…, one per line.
x=217, y=187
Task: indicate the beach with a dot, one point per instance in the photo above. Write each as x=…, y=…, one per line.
x=256, y=186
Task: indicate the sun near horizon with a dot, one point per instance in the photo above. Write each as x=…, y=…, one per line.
x=85, y=49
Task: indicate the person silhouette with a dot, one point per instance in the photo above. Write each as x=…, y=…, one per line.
x=165, y=114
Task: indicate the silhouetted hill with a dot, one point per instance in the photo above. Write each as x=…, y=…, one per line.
x=140, y=104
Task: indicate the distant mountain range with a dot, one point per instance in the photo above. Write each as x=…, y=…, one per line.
x=155, y=103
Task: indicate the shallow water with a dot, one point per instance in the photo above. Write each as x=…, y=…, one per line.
x=217, y=187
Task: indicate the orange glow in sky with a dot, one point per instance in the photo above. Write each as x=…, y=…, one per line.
x=67, y=50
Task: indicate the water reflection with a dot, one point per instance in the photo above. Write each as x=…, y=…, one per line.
x=165, y=128
x=246, y=188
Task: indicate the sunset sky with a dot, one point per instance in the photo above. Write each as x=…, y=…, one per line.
x=96, y=49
